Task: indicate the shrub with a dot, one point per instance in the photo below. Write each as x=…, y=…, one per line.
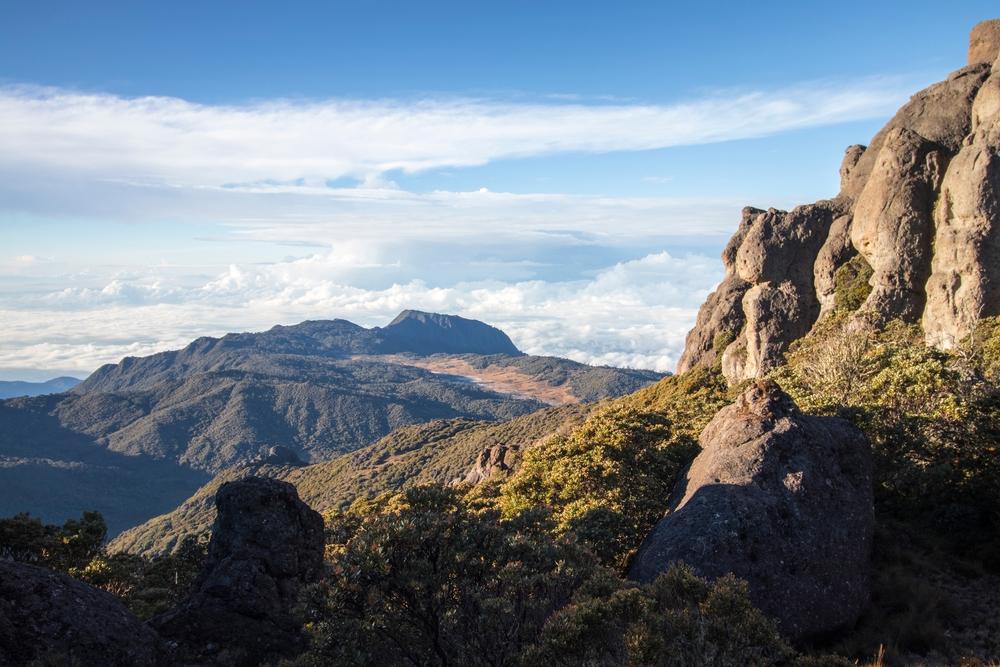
x=418, y=577
x=851, y=287
x=931, y=416
x=148, y=586
x=26, y=538
x=607, y=482
x=678, y=620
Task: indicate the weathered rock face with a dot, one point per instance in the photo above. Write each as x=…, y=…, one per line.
x=921, y=204
x=965, y=283
x=893, y=227
x=497, y=459
x=984, y=42
x=266, y=544
x=45, y=615
x=721, y=317
x=781, y=499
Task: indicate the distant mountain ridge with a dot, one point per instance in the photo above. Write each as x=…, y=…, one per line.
x=411, y=331
x=318, y=389
x=14, y=388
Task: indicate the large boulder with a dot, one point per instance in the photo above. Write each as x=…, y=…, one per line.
x=50, y=618
x=781, y=499
x=266, y=544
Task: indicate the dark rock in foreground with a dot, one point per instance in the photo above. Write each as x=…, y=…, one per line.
x=781, y=499
x=52, y=618
x=266, y=544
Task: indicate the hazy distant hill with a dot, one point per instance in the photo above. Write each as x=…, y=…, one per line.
x=13, y=388
x=319, y=388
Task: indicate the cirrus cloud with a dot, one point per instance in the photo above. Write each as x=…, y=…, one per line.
x=171, y=140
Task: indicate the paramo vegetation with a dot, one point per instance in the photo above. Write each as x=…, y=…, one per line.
x=527, y=568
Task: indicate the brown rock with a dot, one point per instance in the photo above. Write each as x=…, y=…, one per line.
x=939, y=114
x=720, y=318
x=984, y=42
x=893, y=227
x=776, y=256
x=781, y=499
x=51, y=618
x=497, y=459
x=266, y=544
x=835, y=252
x=965, y=283
x=920, y=204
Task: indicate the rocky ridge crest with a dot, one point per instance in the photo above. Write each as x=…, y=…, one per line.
x=920, y=206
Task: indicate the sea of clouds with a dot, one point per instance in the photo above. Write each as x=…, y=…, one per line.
x=601, y=279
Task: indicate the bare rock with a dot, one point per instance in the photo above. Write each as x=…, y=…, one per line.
x=836, y=251
x=776, y=256
x=494, y=460
x=984, y=42
x=777, y=315
x=720, y=318
x=266, y=544
x=852, y=155
x=893, y=226
x=920, y=204
x=965, y=282
x=50, y=618
x=940, y=114
x=781, y=499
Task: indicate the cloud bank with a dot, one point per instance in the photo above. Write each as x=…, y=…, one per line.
x=601, y=279
x=633, y=313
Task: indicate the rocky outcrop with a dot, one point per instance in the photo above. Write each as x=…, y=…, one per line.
x=721, y=317
x=984, y=42
x=266, y=544
x=920, y=203
x=50, y=618
x=278, y=456
x=893, y=227
x=493, y=460
x=781, y=499
x=965, y=283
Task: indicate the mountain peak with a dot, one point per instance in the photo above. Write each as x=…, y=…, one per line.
x=431, y=333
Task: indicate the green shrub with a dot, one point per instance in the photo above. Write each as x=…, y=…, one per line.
x=26, y=538
x=851, y=287
x=148, y=586
x=933, y=419
x=420, y=578
x=678, y=620
x=607, y=482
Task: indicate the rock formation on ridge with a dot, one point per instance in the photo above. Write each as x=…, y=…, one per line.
x=266, y=544
x=920, y=205
x=781, y=499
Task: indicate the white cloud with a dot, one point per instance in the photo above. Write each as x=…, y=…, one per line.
x=170, y=140
x=633, y=313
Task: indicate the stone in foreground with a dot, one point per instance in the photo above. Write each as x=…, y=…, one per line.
x=50, y=618
x=266, y=544
x=781, y=499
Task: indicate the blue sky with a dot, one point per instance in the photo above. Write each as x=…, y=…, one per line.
x=568, y=171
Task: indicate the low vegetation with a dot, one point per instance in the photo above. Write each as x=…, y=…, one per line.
x=528, y=569
x=148, y=586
